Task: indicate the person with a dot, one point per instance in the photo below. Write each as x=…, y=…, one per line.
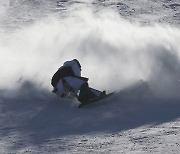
x=67, y=82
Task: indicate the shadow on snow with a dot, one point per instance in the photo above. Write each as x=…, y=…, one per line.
x=41, y=116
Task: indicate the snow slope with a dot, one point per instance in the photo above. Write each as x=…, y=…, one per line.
x=132, y=47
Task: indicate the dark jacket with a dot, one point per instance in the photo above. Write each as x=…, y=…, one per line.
x=63, y=71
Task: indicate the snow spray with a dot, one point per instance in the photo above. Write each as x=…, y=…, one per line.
x=114, y=52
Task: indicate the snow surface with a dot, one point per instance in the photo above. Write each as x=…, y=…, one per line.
x=128, y=46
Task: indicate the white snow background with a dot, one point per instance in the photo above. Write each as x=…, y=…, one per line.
x=128, y=46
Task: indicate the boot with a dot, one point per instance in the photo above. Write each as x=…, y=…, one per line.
x=103, y=93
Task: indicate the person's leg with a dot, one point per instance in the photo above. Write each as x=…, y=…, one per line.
x=86, y=93
x=75, y=83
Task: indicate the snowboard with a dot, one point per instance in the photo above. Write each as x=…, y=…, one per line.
x=95, y=100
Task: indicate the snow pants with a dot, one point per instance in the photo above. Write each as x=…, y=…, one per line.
x=74, y=82
x=77, y=84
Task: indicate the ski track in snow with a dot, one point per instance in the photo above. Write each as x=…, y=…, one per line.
x=138, y=119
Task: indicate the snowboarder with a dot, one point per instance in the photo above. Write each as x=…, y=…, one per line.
x=67, y=82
